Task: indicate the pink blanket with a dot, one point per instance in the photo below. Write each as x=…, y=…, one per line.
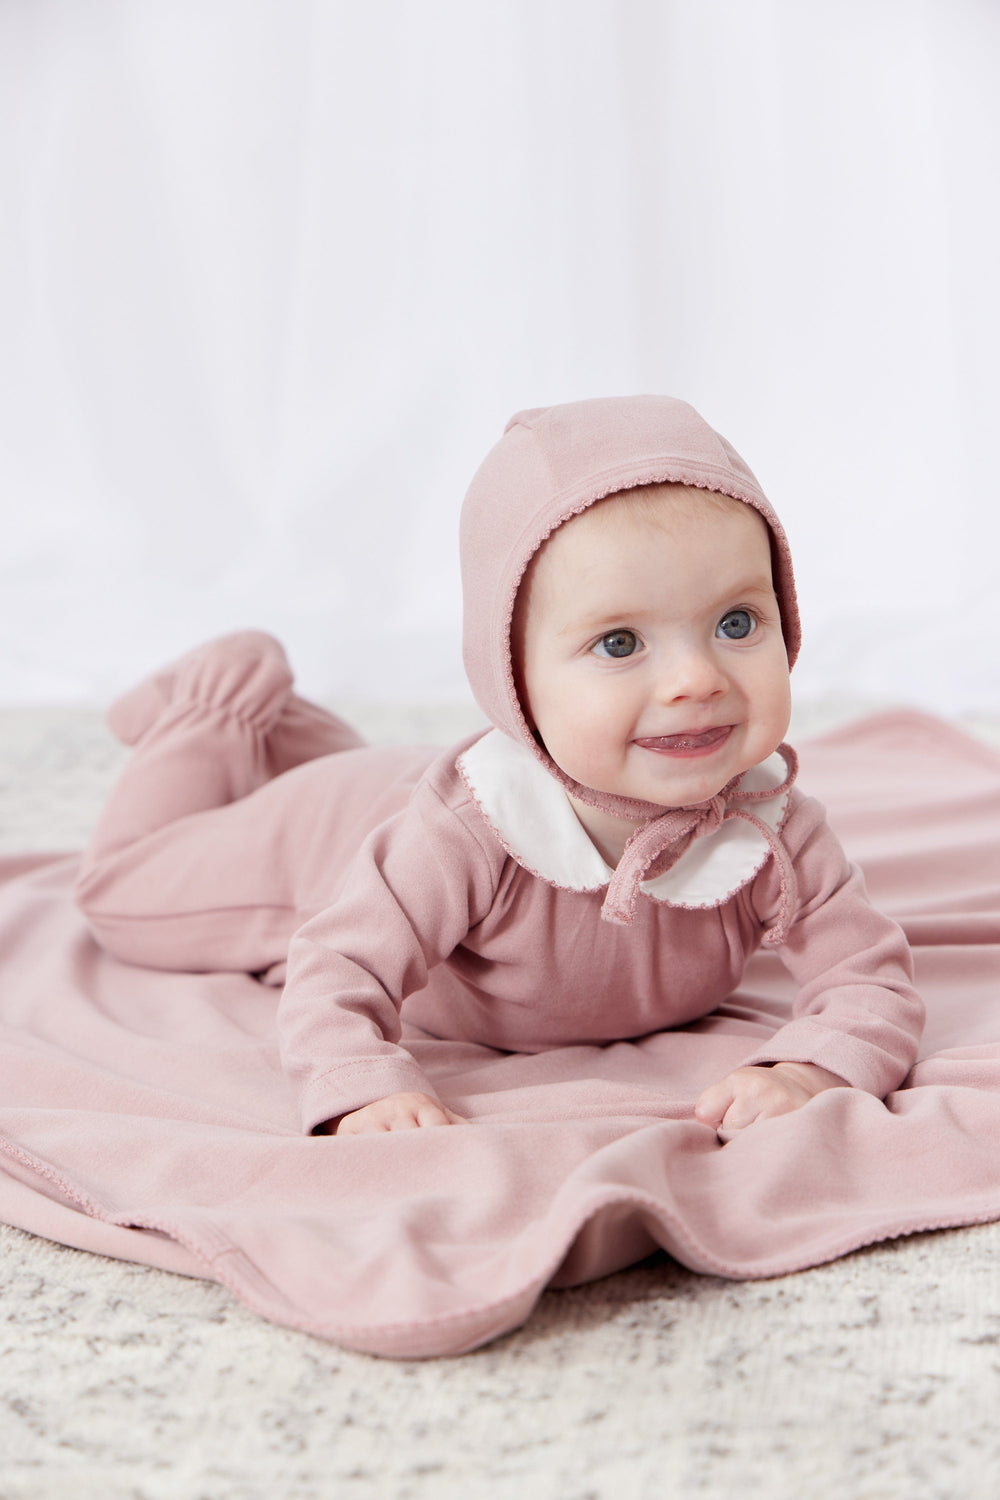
x=145, y=1115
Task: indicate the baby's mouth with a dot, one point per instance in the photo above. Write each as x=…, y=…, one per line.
x=687, y=744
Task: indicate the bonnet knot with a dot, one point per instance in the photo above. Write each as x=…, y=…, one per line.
x=713, y=815
x=664, y=839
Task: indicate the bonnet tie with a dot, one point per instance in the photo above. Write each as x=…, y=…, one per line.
x=672, y=833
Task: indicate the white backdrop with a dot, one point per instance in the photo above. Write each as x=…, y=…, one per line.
x=273, y=274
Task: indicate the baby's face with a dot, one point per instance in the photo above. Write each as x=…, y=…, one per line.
x=651, y=658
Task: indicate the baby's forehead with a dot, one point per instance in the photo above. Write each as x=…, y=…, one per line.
x=580, y=550
x=664, y=506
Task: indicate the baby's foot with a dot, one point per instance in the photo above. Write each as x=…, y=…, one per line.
x=245, y=675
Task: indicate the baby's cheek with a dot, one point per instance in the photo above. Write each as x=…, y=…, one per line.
x=581, y=747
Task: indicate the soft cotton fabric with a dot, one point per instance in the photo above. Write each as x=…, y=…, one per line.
x=436, y=915
x=145, y=1114
x=434, y=918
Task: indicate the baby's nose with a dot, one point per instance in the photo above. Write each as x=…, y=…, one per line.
x=691, y=673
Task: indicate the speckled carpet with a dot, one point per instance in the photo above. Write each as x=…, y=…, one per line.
x=872, y=1378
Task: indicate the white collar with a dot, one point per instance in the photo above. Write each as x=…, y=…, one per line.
x=532, y=817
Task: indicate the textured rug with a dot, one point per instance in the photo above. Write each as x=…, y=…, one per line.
x=875, y=1376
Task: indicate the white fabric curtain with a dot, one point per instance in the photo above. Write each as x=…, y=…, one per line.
x=273, y=274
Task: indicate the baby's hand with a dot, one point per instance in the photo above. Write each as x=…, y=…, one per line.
x=397, y=1112
x=756, y=1093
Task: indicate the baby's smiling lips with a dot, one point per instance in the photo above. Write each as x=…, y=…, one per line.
x=699, y=742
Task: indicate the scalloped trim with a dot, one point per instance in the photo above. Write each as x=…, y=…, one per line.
x=533, y=820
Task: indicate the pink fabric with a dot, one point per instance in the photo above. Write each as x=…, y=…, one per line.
x=684, y=824
x=422, y=915
x=434, y=917
x=145, y=1112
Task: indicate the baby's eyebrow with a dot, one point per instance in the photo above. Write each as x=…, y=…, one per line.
x=607, y=620
x=603, y=618
x=757, y=585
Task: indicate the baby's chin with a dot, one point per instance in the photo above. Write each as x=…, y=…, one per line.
x=690, y=782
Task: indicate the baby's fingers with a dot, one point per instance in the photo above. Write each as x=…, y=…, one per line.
x=432, y=1113
x=714, y=1102
x=410, y=1111
x=744, y=1096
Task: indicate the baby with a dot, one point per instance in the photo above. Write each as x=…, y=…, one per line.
x=598, y=866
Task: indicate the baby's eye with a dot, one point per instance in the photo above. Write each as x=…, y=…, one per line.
x=736, y=625
x=617, y=643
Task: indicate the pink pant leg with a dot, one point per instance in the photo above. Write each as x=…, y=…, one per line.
x=214, y=846
x=225, y=888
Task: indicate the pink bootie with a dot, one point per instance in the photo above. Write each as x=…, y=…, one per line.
x=245, y=677
x=207, y=731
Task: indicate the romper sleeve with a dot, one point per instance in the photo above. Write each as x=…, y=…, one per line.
x=856, y=1011
x=409, y=896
